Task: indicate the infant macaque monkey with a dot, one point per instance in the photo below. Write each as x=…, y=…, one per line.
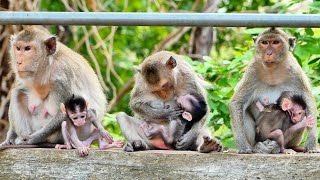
x=278, y=121
x=78, y=125
x=194, y=108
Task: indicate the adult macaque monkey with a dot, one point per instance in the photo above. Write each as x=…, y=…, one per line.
x=162, y=77
x=273, y=70
x=47, y=74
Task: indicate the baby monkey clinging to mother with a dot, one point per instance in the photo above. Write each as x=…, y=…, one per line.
x=194, y=108
x=278, y=121
x=79, y=119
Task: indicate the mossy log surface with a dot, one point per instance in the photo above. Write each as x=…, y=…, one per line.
x=116, y=164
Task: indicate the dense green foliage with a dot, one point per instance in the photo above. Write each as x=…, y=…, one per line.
x=229, y=57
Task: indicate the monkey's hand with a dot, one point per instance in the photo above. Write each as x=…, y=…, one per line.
x=106, y=135
x=170, y=113
x=83, y=151
x=308, y=121
x=32, y=139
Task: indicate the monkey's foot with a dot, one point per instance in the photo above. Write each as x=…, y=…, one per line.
x=245, y=151
x=115, y=143
x=312, y=151
x=63, y=146
x=128, y=147
x=210, y=145
x=136, y=145
x=289, y=151
x=311, y=146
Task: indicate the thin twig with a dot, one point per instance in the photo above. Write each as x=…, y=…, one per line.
x=94, y=60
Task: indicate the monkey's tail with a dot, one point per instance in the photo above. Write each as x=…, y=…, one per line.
x=17, y=146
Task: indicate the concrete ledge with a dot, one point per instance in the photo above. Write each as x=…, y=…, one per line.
x=116, y=164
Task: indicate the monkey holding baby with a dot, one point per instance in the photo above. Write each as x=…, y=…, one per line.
x=194, y=109
x=164, y=76
x=273, y=70
x=47, y=73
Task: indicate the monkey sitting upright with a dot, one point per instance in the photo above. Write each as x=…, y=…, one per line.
x=278, y=121
x=80, y=118
x=194, y=109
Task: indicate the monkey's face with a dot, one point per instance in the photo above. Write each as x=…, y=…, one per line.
x=164, y=89
x=297, y=113
x=271, y=50
x=25, y=55
x=78, y=118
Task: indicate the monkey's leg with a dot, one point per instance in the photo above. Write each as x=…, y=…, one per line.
x=277, y=135
x=130, y=128
x=93, y=136
x=22, y=117
x=66, y=137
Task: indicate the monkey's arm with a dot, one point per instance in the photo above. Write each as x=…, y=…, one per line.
x=237, y=110
x=103, y=133
x=55, y=123
x=312, y=140
x=153, y=114
x=11, y=134
x=42, y=134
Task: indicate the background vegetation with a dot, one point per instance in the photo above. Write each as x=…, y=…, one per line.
x=114, y=51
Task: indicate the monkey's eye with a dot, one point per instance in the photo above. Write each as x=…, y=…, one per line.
x=264, y=42
x=28, y=48
x=75, y=118
x=276, y=42
x=18, y=48
x=82, y=117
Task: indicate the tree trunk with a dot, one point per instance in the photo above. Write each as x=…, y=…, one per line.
x=203, y=38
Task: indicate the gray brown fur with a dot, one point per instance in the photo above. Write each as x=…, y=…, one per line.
x=67, y=72
x=258, y=83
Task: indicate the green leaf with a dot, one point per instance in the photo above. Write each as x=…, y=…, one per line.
x=309, y=31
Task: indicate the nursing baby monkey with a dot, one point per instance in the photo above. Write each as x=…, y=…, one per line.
x=278, y=121
x=79, y=119
x=194, y=109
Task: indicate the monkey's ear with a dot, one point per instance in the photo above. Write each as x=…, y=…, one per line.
x=171, y=63
x=51, y=45
x=187, y=116
x=255, y=39
x=63, y=108
x=286, y=104
x=292, y=43
x=138, y=69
